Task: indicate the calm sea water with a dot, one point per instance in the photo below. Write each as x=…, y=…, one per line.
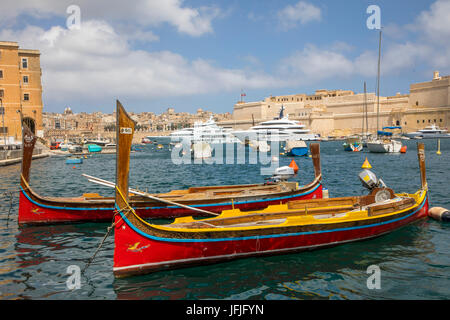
x=414, y=261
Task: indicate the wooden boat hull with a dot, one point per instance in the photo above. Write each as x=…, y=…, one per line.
x=35, y=209
x=138, y=252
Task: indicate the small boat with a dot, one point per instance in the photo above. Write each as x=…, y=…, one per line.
x=74, y=160
x=296, y=148
x=141, y=247
x=146, y=140
x=94, y=148
x=201, y=150
x=353, y=144
x=92, y=207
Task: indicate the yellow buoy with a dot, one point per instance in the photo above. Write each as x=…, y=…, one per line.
x=439, y=147
x=366, y=164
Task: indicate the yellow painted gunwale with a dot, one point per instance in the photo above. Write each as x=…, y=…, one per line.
x=349, y=216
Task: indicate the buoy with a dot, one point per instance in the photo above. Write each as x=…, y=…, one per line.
x=403, y=149
x=439, y=147
x=74, y=167
x=440, y=214
x=366, y=164
x=294, y=166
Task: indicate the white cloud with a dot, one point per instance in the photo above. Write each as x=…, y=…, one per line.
x=302, y=12
x=96, y=63
x=313, y=64
x=434, y=23
x=143, y=13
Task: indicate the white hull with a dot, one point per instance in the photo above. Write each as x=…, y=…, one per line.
x=379, y=146
x=250, y=135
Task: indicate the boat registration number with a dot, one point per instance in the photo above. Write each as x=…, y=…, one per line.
x=126, y=130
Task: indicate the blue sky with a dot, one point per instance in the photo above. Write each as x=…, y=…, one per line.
x=155, y=54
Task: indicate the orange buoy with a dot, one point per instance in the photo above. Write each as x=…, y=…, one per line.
x=440, y=214
x=403, y=149
x=74, y=167
x=294, y=166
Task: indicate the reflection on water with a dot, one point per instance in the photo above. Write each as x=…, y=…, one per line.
x=414, y=260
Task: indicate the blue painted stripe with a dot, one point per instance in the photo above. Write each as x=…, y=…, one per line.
x=171, y=207
x=268, y=236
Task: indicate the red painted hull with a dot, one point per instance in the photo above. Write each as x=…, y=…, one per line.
x=33, y=212
x=137, y=253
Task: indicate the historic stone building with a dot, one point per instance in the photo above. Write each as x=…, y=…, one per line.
x=341, y=112
x=20, y=90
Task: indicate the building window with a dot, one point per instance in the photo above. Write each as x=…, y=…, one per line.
x=4, y=130
x=25, y=79
x=440, y=120
x=417, y=103
x=418, y=121
x=1, y=74
x=2, y=93
x=26, y=97
x=24, y=63
x=405, y=123
x=423, y=121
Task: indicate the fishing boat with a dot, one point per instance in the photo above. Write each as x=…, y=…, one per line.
x=141, y=247
x=90, y=207
x=296, y=148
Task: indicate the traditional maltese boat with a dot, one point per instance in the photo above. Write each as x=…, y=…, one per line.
x=141, y=247
x=37, y=209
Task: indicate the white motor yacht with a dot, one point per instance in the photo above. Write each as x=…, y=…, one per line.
x=277, y=130
x=430, y=132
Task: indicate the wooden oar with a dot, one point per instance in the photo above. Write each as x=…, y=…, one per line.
x=145, y=194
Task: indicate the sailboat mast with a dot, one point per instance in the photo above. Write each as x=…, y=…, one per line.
x=363, y=111
x=378, y=85
x=366, y=116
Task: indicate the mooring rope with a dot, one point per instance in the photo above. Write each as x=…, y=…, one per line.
x=127, y=209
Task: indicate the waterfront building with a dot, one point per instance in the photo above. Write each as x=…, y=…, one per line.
x=20, y=91
x=340, y=112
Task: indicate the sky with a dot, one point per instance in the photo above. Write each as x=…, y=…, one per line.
x=156, y=54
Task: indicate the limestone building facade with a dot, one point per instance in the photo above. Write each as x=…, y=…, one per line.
x=20, y=91
x=342, y=112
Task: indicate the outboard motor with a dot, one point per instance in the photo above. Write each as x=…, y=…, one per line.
x=283, y=173
x=370, y=181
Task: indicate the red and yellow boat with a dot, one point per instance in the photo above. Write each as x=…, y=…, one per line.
x=37, y=209
x=141, y=247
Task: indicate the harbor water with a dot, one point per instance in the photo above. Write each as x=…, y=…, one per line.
x=414, y=261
